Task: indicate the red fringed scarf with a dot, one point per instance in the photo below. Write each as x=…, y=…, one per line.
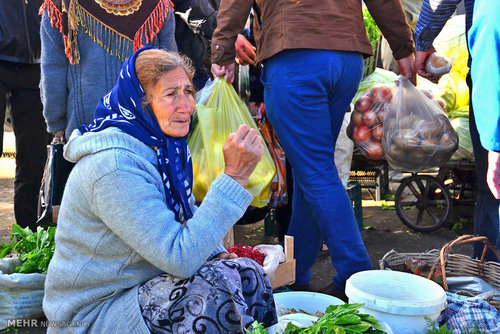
x=121, y=27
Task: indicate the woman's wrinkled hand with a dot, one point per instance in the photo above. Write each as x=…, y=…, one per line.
x=226, y=256
x=242, y=152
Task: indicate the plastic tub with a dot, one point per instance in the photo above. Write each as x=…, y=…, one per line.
x=402, y=300
x=311, y=302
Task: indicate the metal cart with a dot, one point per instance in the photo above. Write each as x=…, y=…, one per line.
x=424, y=201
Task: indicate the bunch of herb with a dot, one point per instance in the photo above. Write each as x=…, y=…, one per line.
x=257, y=328
x=338, y=319
x=35, y=249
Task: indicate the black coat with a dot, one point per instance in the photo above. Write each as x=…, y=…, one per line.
x=20, y=31
x=195, y=22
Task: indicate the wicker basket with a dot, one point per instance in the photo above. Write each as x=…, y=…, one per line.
x=451, y=265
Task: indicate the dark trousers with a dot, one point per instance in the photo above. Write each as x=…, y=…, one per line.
x=486, y=216
x=20, y=82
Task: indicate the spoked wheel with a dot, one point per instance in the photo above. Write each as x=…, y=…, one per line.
x=423, y=203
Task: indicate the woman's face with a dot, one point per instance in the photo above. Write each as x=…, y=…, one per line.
x=173, y=102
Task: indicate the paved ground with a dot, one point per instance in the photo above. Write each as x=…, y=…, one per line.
x=386, y=230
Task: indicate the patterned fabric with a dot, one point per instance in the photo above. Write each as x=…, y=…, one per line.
x=224, y=296
x=116, y=25
x=470, y=315
x=121, y=108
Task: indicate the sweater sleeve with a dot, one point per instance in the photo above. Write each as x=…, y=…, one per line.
x=166, y=36
x=53, y=82
x=391, y=20
x=134, y=209
x=484, y=46
x=433, y=16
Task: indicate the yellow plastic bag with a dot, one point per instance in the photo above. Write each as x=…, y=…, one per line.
x=222, y=115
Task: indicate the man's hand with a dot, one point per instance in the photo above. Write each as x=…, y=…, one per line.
x=242, y=152
x=493, y=174
x=224, y=70
x=420, y=58
x=245, y=51
x=407, y=68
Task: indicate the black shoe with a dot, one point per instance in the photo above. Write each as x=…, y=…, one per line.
x=332, y=290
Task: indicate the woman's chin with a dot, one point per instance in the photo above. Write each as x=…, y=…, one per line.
x=177, y=132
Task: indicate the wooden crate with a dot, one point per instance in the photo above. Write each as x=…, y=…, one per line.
x=285, y=273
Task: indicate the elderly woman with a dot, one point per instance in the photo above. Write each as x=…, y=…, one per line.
x=133, y=254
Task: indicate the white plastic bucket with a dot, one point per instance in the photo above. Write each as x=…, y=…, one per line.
x=400, y=299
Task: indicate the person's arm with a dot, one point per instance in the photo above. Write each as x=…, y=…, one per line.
x=142, y=219
x=166, y=36
x=53, y=82
x=391, y=20
x=432, y=18
x=485, y=73
x=230, y=22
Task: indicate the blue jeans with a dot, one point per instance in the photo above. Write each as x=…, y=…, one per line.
x=307, y=93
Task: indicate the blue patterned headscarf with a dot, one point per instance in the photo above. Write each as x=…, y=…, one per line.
x=121, y=107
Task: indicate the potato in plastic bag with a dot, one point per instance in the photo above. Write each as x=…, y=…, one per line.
x=417, y=133
x=222, y=115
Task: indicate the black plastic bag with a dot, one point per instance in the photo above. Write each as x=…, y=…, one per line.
x=54, y=179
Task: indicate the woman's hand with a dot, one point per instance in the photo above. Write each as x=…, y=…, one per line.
x=224, y=70
x=226, y=256
x=242, y=152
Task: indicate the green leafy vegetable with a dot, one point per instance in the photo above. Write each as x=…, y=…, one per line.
x=257, y=328
x=371, y=27
x=338, y=319
x=35, y=249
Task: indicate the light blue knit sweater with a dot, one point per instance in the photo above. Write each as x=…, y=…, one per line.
x=115, y=232
x=70, y=93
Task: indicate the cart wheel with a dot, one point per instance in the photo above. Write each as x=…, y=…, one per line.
x=423, y=203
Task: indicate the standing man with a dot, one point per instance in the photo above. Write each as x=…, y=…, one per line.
x=312, y=52
x=20, y=79
x=432, y=18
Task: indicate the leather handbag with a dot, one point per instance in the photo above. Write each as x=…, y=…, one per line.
x=54, y=179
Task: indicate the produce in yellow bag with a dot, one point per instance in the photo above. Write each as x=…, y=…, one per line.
x=222, y=115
